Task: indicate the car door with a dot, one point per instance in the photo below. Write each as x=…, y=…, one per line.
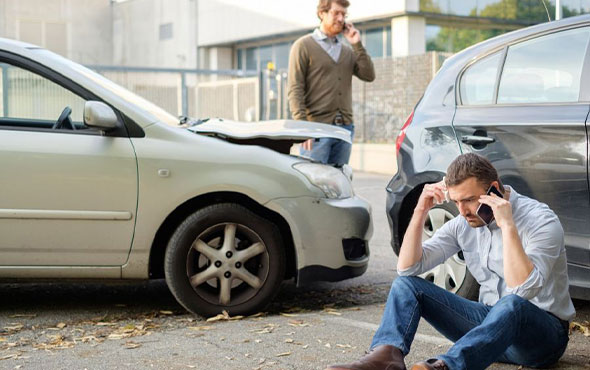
x=68, y=195
x=525, y=108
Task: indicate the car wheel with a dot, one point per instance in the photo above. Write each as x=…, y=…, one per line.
x=453, y=274
x=224, y=257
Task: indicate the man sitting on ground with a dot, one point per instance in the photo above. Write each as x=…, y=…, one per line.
x=518, y=259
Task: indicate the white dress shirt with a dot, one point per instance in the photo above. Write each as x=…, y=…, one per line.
x=542, y=238
x=331, y=45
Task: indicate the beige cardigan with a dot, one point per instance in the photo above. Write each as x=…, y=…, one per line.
x=318, y=87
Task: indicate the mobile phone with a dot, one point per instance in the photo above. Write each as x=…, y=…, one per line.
x=345, y=27
x=484, y=212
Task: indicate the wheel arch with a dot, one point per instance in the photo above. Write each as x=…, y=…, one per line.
x=158, y=247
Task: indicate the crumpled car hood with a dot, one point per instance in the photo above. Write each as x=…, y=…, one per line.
x=278, y=135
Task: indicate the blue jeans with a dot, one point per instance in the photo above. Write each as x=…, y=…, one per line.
x=513, y=330
x=330, y=151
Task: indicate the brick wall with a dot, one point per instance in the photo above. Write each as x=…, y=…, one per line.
x=382, y=106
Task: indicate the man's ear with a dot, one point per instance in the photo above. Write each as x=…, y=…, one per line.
x=496, y=184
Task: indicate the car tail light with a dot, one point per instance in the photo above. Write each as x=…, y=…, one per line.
x=402, y=134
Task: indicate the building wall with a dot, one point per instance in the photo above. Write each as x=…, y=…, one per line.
x=78, y=29
x=273, y=17
x=155, y=33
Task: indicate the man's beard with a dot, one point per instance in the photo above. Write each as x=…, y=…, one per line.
x=474, y=221
x=335, y=28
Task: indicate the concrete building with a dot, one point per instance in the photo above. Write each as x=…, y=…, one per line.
x=155, y=33
x=77, y=29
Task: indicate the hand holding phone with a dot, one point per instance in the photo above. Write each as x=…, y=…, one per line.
x=352, y=35
x=484, y=212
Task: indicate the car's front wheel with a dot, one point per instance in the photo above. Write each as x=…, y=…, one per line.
x=452, y=275
x=224, y=257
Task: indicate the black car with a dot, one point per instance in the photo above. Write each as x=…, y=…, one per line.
x=520, y=100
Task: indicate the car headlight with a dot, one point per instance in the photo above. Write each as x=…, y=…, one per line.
x=331, y=180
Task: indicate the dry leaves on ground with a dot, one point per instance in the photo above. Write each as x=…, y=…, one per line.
x=12, y=329
x=57, y=341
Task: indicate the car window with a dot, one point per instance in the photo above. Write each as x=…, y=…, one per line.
x=547, y=69
x=477, y=83
x=30, y=100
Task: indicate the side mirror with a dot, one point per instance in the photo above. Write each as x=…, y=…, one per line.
x=99, y=115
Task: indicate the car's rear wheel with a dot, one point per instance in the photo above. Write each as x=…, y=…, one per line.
x=224, y=257
x=453, y=274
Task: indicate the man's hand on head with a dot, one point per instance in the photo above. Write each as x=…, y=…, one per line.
x=431, y=194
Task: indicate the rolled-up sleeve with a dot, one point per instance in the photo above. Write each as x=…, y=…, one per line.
x=543, y=247
x=437, y=249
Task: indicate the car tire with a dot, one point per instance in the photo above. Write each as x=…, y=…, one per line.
x=207, y=275
x=452, y=275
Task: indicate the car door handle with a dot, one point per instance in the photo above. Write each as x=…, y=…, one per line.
x=477, y=140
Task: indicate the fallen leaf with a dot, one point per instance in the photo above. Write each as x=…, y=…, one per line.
x=22, y=315
x=584, y=327
x=164, y=312
x=7, y=357
x=331, y=311
x=14, y=328
x=288, y=314
x=61, y=325
x=344, y=345
x=298, y=323
x=267, y=329
x=328, y=345
x=289, y=340
x=200, y=328
x=224, y=316
x=284, y=354
x=106, y=324
x=132, y=345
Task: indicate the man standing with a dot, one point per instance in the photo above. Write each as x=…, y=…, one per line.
x=518, y=259
x=320, y=79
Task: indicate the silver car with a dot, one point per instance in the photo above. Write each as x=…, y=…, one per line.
x=98, y=183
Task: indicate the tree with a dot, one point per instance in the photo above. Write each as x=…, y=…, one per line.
x=455, y=39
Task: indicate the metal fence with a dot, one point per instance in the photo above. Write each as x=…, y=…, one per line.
x=229, y=94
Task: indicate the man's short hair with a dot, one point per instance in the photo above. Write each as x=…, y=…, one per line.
x=470, y=165
x=326, y=5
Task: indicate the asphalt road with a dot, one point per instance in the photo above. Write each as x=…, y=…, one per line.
x=140, y=326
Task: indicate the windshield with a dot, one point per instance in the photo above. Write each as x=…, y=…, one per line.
x=109, y=85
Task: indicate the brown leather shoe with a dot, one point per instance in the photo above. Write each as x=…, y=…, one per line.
x=383, y=357
x=430, y=364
